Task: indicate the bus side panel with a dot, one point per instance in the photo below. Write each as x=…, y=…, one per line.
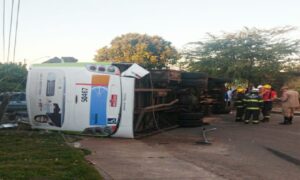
x=126, y=124
x=78, y=99
x=98, y=100
x=113, y=104
x=45, y=95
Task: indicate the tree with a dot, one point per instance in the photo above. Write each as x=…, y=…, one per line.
x=148, y=51
x=251, y=55
x=12, y=77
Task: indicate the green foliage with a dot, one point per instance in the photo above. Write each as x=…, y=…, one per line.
x=36, y=155
x=148, y=51
x=12, y=77
x=254, y=55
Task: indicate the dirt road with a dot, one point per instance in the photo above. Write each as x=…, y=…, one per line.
x=239, y=151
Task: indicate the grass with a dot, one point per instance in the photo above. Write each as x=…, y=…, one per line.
x=40, y=155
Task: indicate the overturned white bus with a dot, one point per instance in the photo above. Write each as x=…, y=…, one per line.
x=119, y=100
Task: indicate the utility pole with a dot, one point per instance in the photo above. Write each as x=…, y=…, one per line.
x=3, y=31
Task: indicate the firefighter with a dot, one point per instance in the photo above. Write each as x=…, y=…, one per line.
x=253, y=104
x=268, y=96
x=238, y=103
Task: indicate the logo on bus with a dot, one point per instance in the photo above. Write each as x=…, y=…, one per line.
x=113, y=100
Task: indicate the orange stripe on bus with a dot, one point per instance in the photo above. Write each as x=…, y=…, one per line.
x=89, y=84
x=100, y=79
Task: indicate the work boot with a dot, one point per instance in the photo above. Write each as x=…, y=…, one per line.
x=255, y=122
x=246, y=121
x=285, y=122
x=290, y=120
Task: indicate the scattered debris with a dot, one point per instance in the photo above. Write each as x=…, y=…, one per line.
x=76, y=144
x=8, y=125
x=205, y=140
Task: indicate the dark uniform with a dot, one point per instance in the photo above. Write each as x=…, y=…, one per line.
x=239, y=104
x=253, y=103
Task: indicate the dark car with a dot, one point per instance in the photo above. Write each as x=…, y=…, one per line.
x=16, y=107
x=17, y=102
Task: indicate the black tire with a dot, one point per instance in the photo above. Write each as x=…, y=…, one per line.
x=219, y=80
x=190, y=116
x=193, y=75
x=194, y=83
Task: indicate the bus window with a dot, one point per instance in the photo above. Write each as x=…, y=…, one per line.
x=50, y=84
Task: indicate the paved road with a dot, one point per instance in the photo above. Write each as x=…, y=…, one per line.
x=239, y=151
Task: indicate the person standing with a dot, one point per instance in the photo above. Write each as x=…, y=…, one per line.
x=290, y=101
x=260, y=89
x=238, y=103
x=253, y=104
x=268, y=96
x=229, y=97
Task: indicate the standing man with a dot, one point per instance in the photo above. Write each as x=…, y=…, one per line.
x=268, y=96
x=229, y=97
x=238, y=103
x=260, y=89
x=253, y=104
x=290, y=101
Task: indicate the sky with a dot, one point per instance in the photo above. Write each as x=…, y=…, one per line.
x=77, y=28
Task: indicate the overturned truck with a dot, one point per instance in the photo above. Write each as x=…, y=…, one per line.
x=117, y=99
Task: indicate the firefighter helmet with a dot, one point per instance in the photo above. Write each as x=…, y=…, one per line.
x=267, y=86
x=240, y=90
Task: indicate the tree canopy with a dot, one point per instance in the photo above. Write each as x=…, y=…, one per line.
x=12, y=77
x=253, y=55
x=149, y=51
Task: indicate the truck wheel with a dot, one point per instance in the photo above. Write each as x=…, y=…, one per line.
x=219, y=80
x=194, y=83
x=193, y=75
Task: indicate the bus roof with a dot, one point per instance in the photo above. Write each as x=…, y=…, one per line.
x=78, y=64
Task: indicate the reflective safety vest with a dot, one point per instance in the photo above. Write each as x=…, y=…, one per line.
x=253, y=102
x=238, y=100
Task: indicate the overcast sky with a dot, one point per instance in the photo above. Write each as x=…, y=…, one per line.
x=79, y=27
